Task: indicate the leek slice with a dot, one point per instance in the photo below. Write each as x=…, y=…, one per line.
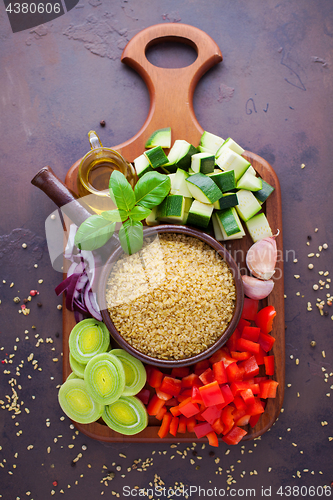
x=105, y=378
x=127, y=415
x=77, y=368
x=77, y=404
x=88, y=338
x=135, y=373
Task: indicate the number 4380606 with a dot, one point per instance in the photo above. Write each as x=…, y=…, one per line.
x=33, y=8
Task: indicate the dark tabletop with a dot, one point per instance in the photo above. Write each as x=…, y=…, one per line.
x=272, y=94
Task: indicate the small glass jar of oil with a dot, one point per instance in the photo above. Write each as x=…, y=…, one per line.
x=94, y=174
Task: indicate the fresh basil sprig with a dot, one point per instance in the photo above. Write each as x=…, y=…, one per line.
x=132, y=208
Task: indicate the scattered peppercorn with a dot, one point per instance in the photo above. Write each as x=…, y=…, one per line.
x=194, y=453
x=309, y=238
x=325, y=313
x=73, y=464
x=39, y=304
x=211, y=454
x=102, y=123
x=57, y=334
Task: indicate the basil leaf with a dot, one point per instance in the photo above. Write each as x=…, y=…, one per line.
x=139, y=213
x=93, y=233
x=131, y=236
x=121, y=191
x=151, y=189
x=115, y=215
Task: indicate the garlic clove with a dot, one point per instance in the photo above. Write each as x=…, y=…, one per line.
x=261, y=258
x=255, y=288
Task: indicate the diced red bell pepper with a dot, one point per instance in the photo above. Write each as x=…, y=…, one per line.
x=182, y=425
x=266, y=341
x=247, y=345
x=196, y=396
x=171, y=385
x=180, y=371
x=250, y=309
x=221, y=354
x=212, y=439
x=171, y=402
x=175, y=411
x=240, y=385
x=162, y=395
x=242, y=323
x=231, y=343
x=161, y=413
x=154, y=377
x=218, y=426
x=220, y=373
x=240, y=356
x=251, y=333
x=268, y=389
x=202, y=429
x=154, y=405
x=227, y=418
x=250, y=367
x=184, y=395
x=144, y=395
x=190, y=380
x=201, y=366
x=269, y=364
x=234, y=436
x=248, y=396
x=256, y=408
x=254, y=420
x=234, y=372
x=207, y=376
x=260, y=356
x=174, y=426
x=211, y=414
x=188, y=408
x=191, y=423
x=264, y=319
x=227, y=394
x=244, y=420
x=211, y=394
x=165, y=426
x=239, y=403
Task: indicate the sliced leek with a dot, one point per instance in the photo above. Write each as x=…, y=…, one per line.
x=105, y=378
x=88, y=338
x=127, y=415
x=135, y=373
x=77, y=404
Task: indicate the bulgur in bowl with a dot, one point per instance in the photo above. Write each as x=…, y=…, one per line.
x=176, y=301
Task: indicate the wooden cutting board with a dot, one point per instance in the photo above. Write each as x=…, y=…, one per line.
x=171, y=105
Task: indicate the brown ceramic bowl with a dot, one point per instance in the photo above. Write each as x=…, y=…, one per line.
x=198, y=357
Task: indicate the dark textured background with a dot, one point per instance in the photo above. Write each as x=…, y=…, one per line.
x=273, y=95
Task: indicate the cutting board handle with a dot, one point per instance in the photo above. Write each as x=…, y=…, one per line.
x=171, y=89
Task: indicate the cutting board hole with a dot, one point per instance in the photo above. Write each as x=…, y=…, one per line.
x=171, y=55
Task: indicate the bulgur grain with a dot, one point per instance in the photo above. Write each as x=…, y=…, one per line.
x=173, y=299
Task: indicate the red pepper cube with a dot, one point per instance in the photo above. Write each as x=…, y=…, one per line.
x=154, y=377
x=260, y=356
x=171, y=402
x=180, y=371
x=190, y=424
x=218, y=426
x=207, y=376
x=247, y=396
x=234, y=436
x=269, y=364
x=239, y=403
x=211, y=413
x=154, y=405
x=202, y=430
x=248, y=345
x=188, y=408
x=231, y=342
x=165, y=426
x=187, y=393
x=234, y=372
x=264, y=319
x=227, y=418
x=227, y=394
x=219, y=372
x=250, y=309
x=182, y=425
x=201, y=366
x=242, y=323
x=174, y=426
x=268, y=389
x=175, y=411
x=212, y=439
x=190, y=380
x=161, y=413
x=251, y=333
x=162, y=395
x=257, y=407
x=211, y=394
x=240, y=356
x=250, y=367
x=242, y=421
x=254, y=420
x=266, y=341
x=196, y=396
x=221, y=354
x=171, y=385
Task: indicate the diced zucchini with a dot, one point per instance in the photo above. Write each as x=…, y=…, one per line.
x=179, y=156
x=178, y=183
x=231, y=144
x=230, y=223
x=216, y=227
x=142, y=165
x=203, y=188
x=161, y=137
x=258, y=227
x=203, y=162
x=151, y=220
x=174, y=208
x=229, y=160
x=264, y=192
x=251, y=171
x=249, y=182
x=156, y=156
x=228, y=200
x=210, y=142
x=224, y=180
x=248, y=204
x=199, y=214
